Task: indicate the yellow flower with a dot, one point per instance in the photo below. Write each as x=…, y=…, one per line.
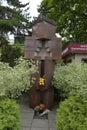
x=41, y=81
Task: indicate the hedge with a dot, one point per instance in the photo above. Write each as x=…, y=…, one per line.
x=9, y=114
x=72, y=114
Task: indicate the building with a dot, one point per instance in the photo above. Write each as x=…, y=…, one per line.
x=75, y=52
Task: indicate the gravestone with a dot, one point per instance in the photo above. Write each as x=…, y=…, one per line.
x=45, y=47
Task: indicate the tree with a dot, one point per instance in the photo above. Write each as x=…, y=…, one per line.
x=70, y=17
x=14, y=18
x=9, y=54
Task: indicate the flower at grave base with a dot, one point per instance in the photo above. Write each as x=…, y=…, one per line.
x=41, y=81
x=39, y=109
x=42, y=106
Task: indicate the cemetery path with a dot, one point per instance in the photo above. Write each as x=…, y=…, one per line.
x=28, y=122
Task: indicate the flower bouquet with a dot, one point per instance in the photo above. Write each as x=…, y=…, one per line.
x=39, y=109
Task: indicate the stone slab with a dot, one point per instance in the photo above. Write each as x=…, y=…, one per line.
x=26, y=123
x=51, y=116
x=52, y=129
x=26, y=108
x=25, y=128
x=52, y=124
x=40, y=123
x=39, y=128
x=27, y=115
x=29, y=123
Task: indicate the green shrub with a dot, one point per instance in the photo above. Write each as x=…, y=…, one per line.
x=71, y=79
x=15, y=80
x=9, y=115
x=10, y=53
x=72, y=114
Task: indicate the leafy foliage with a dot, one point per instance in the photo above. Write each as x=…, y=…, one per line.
x=15, y=80
x=70, y=16
x=10, y=53
x=14, y=18
x=71, y=79
x=72, y=114
x=9, y=114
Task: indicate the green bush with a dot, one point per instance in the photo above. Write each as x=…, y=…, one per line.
x=9, y=115
x=71, y=79
x=10, y=53
x=72, y=114
x=15, y=80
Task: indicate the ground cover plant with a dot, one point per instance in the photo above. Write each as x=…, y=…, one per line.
x=9, y=114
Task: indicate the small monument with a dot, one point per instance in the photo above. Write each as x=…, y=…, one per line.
x=45, y=47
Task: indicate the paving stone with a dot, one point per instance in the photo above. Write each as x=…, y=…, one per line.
x=29, y=123
x=52, y=124
x=52, y=129
x=25, y=128
x=40, y=123
x=26, y=123
x=39, y=128
x=24, y=108
x=27, y=115
x=51, y=116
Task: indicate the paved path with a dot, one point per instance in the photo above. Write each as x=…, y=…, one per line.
x=29, y=123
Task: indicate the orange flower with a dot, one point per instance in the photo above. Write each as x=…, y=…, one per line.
x=42, y=106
